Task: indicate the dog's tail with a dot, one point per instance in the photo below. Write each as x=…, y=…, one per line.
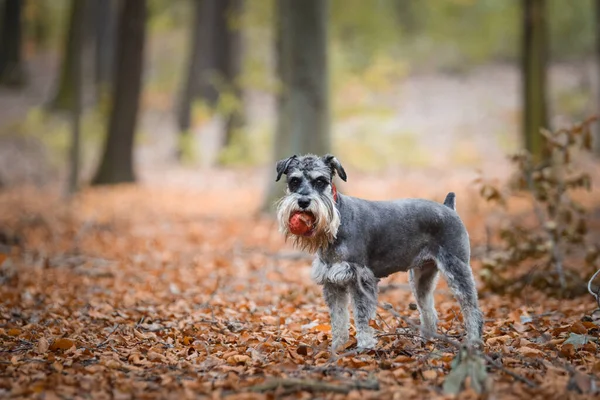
x=450, y=201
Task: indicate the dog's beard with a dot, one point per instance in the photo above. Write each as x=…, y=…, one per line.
x=325, y=227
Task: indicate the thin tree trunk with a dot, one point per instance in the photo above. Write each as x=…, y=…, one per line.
x=534, y=60
x=63, y=99
x=76, y=82
x=308, y=79
x=207, y=67
x=106, y=28
x=12, y=72
x=190, y=85
x=303, y=102
x=232, y=68
x=41, y=25
x=596, y=144
x=117, y=160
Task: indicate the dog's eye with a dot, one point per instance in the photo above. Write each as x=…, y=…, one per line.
x=294, y=182
x=321, y=183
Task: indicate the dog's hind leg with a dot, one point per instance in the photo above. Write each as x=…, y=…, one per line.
x=423, y=280
x=337, y=299
x=364, y=301
x=460, y=280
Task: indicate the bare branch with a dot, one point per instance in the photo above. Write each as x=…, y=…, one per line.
x=314, y=385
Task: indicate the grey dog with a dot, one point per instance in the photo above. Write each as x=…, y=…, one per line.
x=357, y=242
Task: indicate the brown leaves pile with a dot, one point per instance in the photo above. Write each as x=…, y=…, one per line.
x=131, y=292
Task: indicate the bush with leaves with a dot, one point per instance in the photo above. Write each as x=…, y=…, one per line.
x=556, y=246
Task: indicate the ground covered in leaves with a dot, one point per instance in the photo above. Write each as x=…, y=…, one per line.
x=145, y=292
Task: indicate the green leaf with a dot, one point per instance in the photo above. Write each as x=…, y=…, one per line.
x=578, y=340
x=463, y=365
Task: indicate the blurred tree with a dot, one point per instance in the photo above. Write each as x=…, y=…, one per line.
x=303, y=101
x=106, y=24
x=76, y=82
x=228, y=30
x=12, y=71
x=596, y=143
x=39, y=23
x=190, y=84
x=209, y=45
x=534, y=60
x=63, y=99
x=117, y=160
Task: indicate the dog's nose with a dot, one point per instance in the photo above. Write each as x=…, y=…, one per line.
x=304, y=203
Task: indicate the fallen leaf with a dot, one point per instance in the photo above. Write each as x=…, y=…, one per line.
x=238, y=359
x=529, y=351
x=62, y=344
x=322, y=328
x=302, y=350
x=578, y=340
x=567, y=350
x=579, y=328
x=13, y=332
x=429, y=374
x=42, y=346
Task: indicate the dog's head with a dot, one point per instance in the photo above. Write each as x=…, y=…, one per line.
x=310, y=189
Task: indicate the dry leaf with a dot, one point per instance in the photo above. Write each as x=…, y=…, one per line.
x=42, y=346
x=62, y=344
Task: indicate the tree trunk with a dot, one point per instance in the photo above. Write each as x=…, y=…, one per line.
x=596, y=144
x=12, y=72
x=534, y=59
x=41, y=26
x=207, y=64
x=303, y=102
x=76, y=82
x=106, y=27
x=117, y=160
x=232, y=68
x=190, y=85
x=63, y=99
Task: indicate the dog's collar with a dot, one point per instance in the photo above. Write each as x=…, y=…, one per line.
x=334, y=191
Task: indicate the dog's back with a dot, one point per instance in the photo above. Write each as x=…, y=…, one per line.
x=394, y=235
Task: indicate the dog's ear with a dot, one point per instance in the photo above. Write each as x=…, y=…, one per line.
x=283, y=165
x=335, y=166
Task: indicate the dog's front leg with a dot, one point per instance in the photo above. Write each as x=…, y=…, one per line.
x=364, y=300
x=336, y=298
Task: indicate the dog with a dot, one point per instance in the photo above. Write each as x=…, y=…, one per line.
x=356, y=242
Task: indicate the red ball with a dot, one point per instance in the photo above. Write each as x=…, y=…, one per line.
x=301, y=223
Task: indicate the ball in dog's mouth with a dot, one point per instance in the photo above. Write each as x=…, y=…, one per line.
x=301, y=223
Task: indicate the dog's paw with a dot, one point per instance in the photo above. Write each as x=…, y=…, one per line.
x=339, y=342
x=365, y=341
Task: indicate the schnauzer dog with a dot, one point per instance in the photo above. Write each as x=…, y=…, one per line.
x=357, y=242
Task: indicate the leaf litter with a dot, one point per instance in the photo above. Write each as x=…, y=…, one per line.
x=131, y=292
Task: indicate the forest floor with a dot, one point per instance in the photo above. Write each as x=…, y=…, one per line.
x=153, y=291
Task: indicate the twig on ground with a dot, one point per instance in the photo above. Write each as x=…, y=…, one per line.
x=501, y=367
x=314, y=385
x=108, y=337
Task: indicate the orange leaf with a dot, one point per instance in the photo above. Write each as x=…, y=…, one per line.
x=187, y=340
x=62, y=344
x=567, y=350
x=3, y=258
x=14, y=332
x=322, y=328
x=238, y=359
x=578, y=327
